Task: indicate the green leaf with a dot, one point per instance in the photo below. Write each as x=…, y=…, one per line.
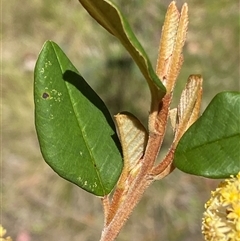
x=76, y=133
x=211, y=146
x=110, y=17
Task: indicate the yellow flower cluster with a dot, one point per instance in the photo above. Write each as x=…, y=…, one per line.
x=221, y=220
x=2, y=233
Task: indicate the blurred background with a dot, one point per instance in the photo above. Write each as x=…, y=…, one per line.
x=37, y=204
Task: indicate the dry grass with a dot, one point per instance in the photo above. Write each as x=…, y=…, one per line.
x=36, y=203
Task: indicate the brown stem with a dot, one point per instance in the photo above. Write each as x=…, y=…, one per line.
x=168, y=68
x=116, y=202
x=143, y=179
x=112, y=230
x=106, y=206
x=158, y=172
x=157, y=123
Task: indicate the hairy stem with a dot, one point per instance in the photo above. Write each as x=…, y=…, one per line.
x=168, y=66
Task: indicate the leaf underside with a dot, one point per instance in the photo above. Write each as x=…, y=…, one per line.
x=110, y=17
x=133, y=137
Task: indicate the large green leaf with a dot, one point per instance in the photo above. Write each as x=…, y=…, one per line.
x=75, y=130
x=110, y=17
x=211, y=146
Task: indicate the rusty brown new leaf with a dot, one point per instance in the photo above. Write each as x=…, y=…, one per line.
x=173, y=37
x=189, y=105
x=133, y=137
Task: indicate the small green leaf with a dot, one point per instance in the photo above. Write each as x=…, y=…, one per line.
x=76, y=133
x=211, y=146
x=110, y=17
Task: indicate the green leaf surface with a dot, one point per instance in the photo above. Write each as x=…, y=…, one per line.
x=110, y=17
x=211, y=146
x=76, y=133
